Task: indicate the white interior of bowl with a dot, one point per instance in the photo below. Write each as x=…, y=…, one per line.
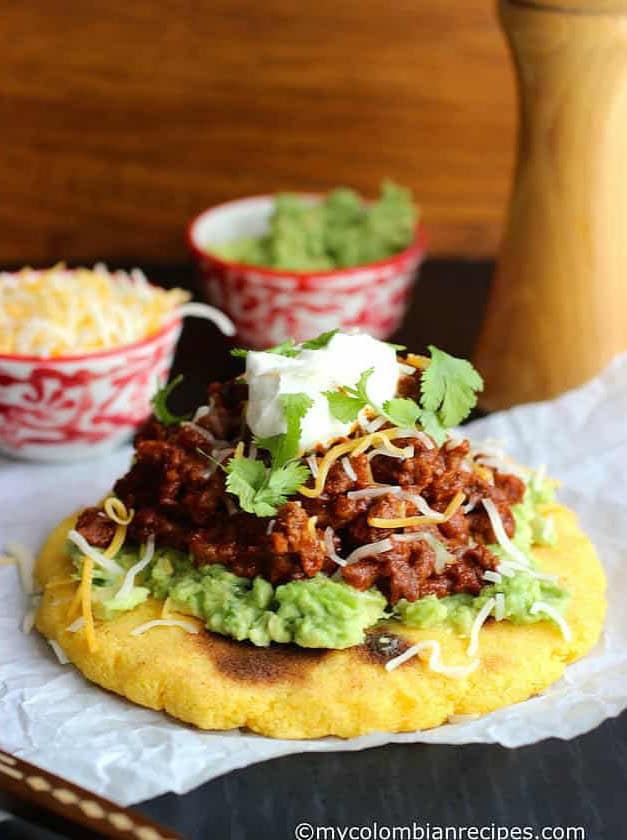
x=247, y=217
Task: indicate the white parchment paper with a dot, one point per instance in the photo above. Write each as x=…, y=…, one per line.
x=51, y=716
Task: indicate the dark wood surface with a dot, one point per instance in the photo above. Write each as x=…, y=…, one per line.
x=578, y=783
x=122, y=120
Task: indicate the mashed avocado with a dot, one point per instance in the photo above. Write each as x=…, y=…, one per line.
x=321, y=612
x=338, y=232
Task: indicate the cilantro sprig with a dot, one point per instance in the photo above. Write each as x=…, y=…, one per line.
x=260, y=489
x=448, y=392
x=449, y=387
x=159, y=404
x=289, y=348
x=284, y=447
x=346, y=404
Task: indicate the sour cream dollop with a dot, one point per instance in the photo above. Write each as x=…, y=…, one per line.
x=313, y=372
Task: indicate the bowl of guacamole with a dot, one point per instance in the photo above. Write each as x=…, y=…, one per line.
x=296, y=264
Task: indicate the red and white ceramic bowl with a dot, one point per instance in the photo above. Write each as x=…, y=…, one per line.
x=269, y=306
x=81, y=406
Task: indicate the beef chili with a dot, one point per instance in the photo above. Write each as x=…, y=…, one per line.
x=176, y=486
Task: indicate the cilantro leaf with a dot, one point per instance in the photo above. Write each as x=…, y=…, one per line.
x=448, y=387
x=342, y=407
x=259, y=490
x=286, y=348
x=396, y=346
x=244, y=479
x=284, y=447
x=159, y=404
x=401, y=411
x=321, y=341
x=346, y=403
x=280, y=484
x=432, y=426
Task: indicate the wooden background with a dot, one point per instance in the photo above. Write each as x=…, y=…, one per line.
x=120, y=120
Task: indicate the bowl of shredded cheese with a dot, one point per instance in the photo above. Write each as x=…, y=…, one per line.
x=82, y=351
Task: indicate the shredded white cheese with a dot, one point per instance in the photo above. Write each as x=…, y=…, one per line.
x=369, y=550
x=165, y=622
x=493, y=577
x=547, y=609
x=481, y=618
x=373, y=492
x=434, y=662
x=499, y=607
x=129, y=578
x=59, y=652
x=408, y=370
x=499, y=532
x=421, y=503
x=330, y=547
x=348, y=468
x=312, y=463
x=190, y=424
x=375, y=424
x=25, y=560
x=270, y=527
x=76, y=625
x=89, y=551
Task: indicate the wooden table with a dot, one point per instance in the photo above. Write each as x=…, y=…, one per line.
x=554, y=783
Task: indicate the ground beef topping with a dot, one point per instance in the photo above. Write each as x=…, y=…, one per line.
x=176, y=486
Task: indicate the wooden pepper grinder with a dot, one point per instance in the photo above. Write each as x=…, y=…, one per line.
x=558, y=306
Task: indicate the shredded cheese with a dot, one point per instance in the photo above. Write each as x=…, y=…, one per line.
x=25, y=560
x=99, y=558
x=165, y=622
x=312, y=463
x=499, y=607
x=547, y=609
x=53, y=584
x=369, y=550
x=501, y=537
x=59, y=311
x=410, y=521
x=330, y=547
x=434, y=661
x=348, y=468
x=75, y=604
x=129, y=578
x=480, y=619
x=165, y=609
x=356, y=446
x=117, y=512
x=76, y=625
x=86, y=581
x=418, y=362
x=59, y=652
x=28, y=622
x=373, y=492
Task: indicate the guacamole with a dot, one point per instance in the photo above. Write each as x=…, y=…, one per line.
x=338, y=232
